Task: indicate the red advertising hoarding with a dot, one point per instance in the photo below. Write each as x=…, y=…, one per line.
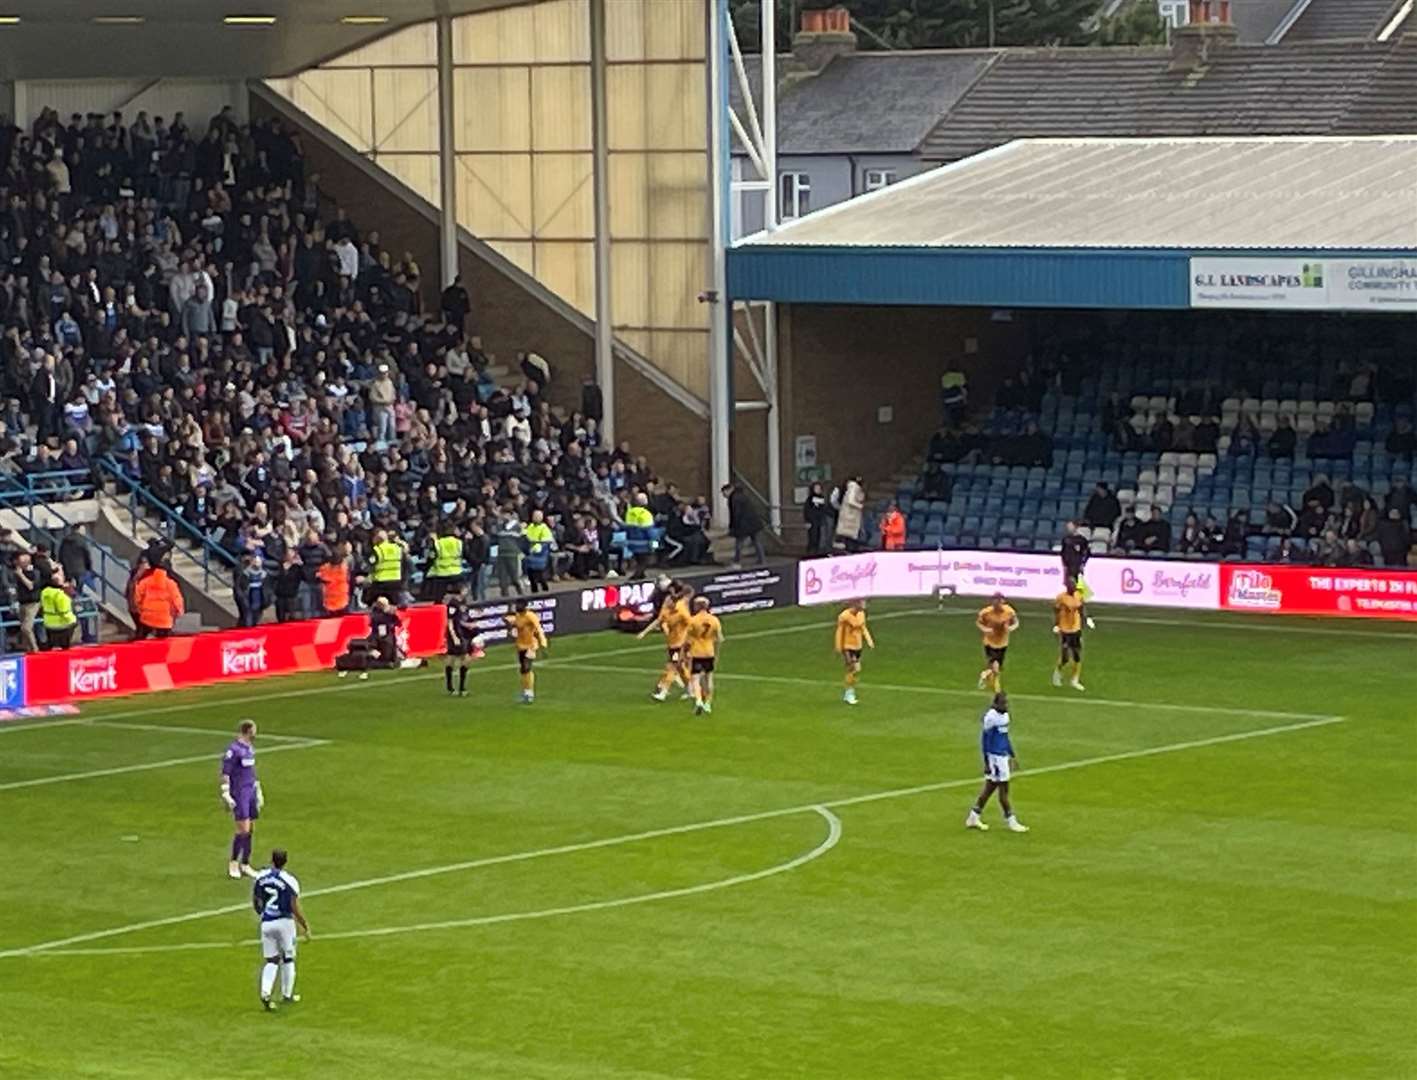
x=169, y=664
x=1355, y=592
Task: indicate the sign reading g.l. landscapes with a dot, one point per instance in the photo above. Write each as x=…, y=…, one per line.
x=1311, y=283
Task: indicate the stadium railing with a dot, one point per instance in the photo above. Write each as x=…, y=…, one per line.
x=104, y=587
x=49, y=486
x=208, y=552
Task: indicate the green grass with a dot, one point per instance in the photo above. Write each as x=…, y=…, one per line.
x=1237, y=908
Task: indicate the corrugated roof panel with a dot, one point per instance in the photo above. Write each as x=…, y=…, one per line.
x=1293, y=193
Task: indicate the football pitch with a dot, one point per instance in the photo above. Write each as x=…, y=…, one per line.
x=1219, y=880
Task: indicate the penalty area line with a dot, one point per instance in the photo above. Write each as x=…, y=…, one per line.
x=830, y=841
x=949, y=691
x=167, y=763
x=55, y=947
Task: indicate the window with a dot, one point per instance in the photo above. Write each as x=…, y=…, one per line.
x=879, y=178
x=795, y=189
x=1175, y=12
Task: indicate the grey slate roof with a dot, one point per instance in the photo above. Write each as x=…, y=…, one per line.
x=1314, y=89
x=1282, y=192
x=1327, y=19
x=875, y=102
x=1256, y=20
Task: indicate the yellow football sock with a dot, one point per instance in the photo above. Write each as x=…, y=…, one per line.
x=851, y=678
x=528, y=681
x=1077, y=671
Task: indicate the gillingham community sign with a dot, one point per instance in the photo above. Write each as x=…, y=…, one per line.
x=1308, y=283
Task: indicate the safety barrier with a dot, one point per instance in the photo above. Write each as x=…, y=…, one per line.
x=87, y=672
x=84, y=673
x=1282, y=590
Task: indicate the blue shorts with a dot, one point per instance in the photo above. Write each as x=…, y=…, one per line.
x=246, y=806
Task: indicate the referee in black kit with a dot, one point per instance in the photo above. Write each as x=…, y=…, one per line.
x=1075, y=552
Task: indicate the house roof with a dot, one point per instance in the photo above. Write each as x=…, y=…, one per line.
x=1256, y=20
x=870, y=102
x=1187, y=194
x=1312, y=89
x=1326, y=19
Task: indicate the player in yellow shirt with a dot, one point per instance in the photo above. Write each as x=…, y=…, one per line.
x=673, y=619
x=996, y=622
x=1067, y=624
x=852, y=635
x=705, y=636
x=526, y=629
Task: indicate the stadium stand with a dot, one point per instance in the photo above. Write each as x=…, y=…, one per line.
x=185, y=317
x=1253, y=437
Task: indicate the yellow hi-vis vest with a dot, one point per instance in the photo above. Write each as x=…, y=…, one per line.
x=388, y=561
x=447, y=559
x=57, y=608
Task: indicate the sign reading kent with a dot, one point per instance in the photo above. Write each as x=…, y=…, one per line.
x=1311, y=283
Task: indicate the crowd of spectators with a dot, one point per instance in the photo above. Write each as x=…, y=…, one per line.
x=180, y=299
x=1343, y=526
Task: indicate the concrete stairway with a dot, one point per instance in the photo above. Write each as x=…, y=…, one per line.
x=208, y=596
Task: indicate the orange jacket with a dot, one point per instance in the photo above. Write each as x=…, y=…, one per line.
x=158, y=600
x=893, y=531
x=335, y=577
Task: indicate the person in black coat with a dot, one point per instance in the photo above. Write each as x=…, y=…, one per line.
x=383, y=632
x=249, y=588
x=744, y=523
x=476, y=549
x=456, y=304
x=45, y=404
x=592, y=400
x=288, y=580
x=1103, y=508
x=817, y=513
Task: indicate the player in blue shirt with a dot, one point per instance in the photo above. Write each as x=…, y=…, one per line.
x=241, y=794
x=999, y=764
x=276, y=898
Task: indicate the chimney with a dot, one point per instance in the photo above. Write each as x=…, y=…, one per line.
x=1209, y=29
x=824, y=36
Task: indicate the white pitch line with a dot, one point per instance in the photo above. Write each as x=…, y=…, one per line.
x=8, y=728
x=1054, y=699
x=762, y=815
x=832, y=838
x=65, y=778
x=392, y=679
x=1242, y=622
x=227, y=733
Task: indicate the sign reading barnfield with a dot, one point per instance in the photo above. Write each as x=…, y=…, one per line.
x=1314, y=283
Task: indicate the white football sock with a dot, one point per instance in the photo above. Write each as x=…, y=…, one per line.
x=287, y=978
x=268, y=978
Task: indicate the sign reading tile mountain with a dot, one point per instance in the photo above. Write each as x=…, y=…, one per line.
x=1312, y=283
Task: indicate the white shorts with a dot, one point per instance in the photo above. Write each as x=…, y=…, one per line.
x=996, y=768
x=278, y=939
